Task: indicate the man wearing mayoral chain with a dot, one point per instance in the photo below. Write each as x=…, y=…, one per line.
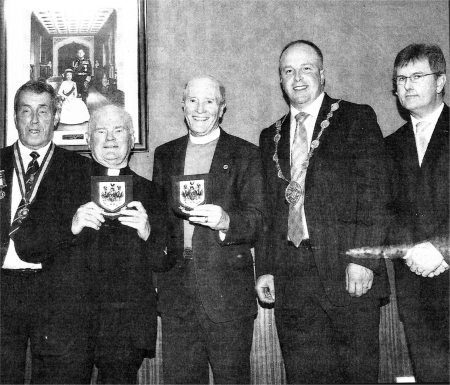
x=326, y=179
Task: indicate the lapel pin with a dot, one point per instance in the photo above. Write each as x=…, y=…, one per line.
x=225, y=167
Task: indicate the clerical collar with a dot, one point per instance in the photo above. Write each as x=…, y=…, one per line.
x=113, y=171
x=213, y=135
x=25, y=153
x=313, y=109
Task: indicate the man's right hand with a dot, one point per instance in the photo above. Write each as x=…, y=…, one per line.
x=88, y=215
x=265, y=288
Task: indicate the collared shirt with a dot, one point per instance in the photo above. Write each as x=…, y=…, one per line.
x=313, y=111
x=432, y=119
x=12, y=260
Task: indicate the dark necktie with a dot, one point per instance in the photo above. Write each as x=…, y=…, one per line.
x=299, y=155
x=32, y=169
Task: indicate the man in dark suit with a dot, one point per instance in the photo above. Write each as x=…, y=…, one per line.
x=42, y=284
x=121, y=251
x=420, y=153
x=326, y=186
x=207, y=301
x=82, y=71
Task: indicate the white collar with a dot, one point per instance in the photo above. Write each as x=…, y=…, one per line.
x=25, y=153
x=213, y=135
x=432, y=118
x=113, y=171
x=313, y=109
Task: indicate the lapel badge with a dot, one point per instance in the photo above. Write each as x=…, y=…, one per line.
x=225, y=167
x=2, y=184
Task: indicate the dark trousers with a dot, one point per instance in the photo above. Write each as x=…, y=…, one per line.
x=116, y=357
x=82, y=87
x=424, y=310
x=320, y=342
x=190, y=342
x=56, y=358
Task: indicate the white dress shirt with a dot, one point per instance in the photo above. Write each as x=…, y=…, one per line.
x=12, y=260
x=313, y=111
x=432, y=119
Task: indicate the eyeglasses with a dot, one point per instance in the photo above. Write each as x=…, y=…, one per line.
x=415, y=78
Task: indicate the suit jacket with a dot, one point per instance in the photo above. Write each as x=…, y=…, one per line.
x=421, y=193
x=223, y=269
x=345, y=200
x=121, y=263
x=44, y=237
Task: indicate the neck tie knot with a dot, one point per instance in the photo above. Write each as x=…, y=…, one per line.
x=33, y=163
x=301, y=117
x=34, y=155
x=32, y=169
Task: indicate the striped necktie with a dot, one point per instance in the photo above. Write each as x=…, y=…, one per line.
x=32, y=169
x=299, y=155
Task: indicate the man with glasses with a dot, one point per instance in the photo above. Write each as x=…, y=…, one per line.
x=326, y=197
x=420, y=153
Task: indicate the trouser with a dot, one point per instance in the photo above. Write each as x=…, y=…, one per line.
x=60, y=351
x=190, y=342
x=320, y=342
x=116, y=357
x=82, y=87
x=424, y=310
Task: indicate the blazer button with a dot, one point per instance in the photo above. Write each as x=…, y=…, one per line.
x=225, y=167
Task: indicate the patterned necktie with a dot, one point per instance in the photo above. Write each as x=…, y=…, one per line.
x=422, y=139
x=299, y=155
x=32, y=169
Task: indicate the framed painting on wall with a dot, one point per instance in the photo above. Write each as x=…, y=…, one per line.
x=93, y=53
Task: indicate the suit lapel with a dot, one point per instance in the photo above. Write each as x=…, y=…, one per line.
x=7, y=165
x=179, y=156
x=410, y=157
x=222, y=153
x=324, y=110
x=284, y=147
x=439, y=138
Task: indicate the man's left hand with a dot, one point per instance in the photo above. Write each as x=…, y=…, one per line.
x=358, y=279
x=135, y=216
x=212, y=216
x=423, y=259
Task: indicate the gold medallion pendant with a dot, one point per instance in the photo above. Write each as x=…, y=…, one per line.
x=294, y=192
